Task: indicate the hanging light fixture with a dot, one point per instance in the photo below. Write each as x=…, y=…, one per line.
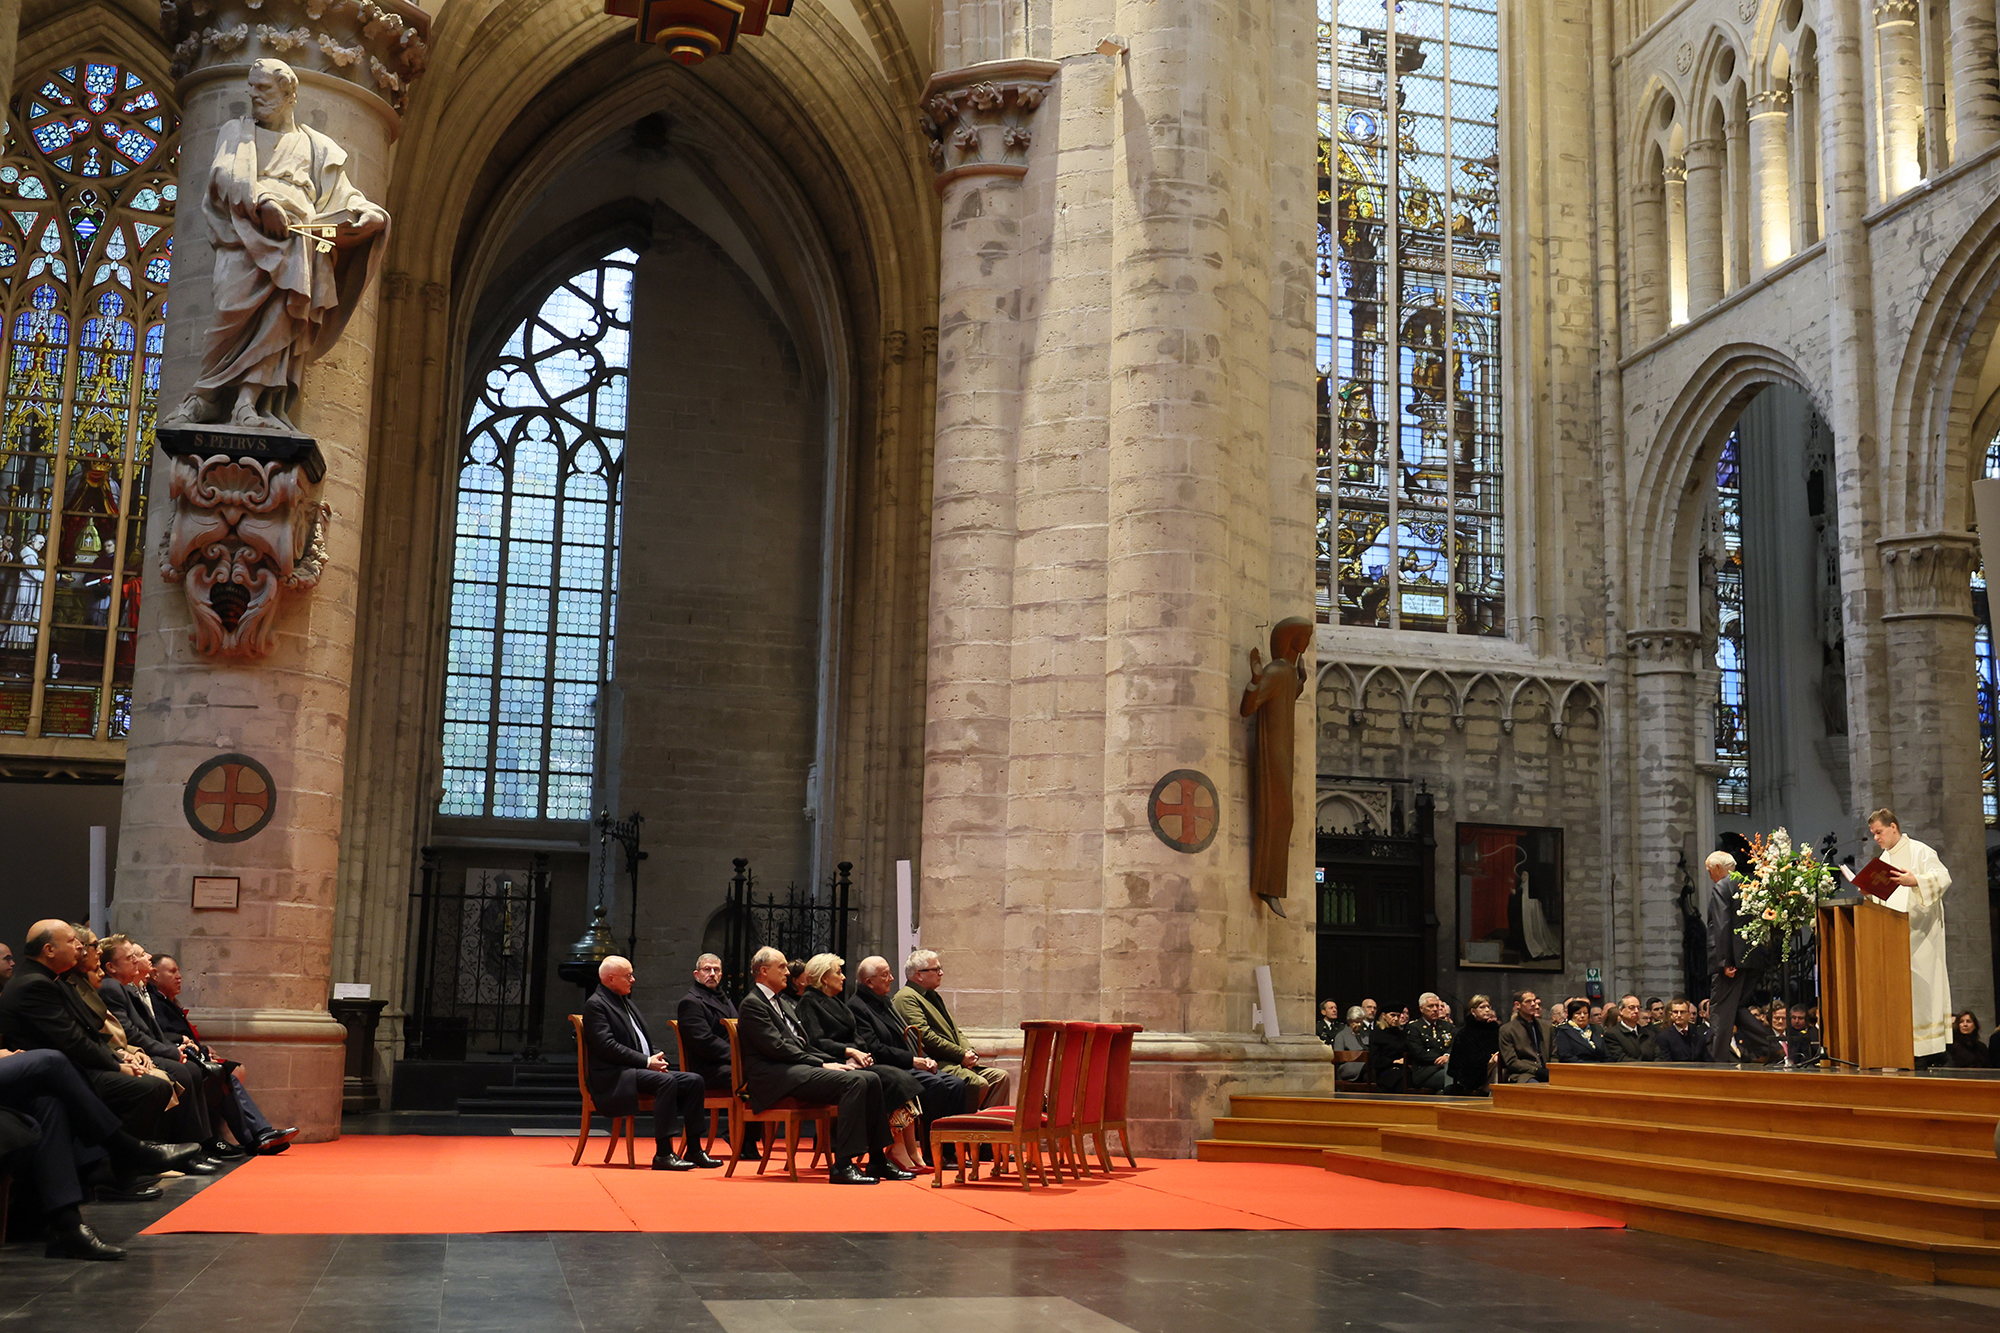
x=690, y=31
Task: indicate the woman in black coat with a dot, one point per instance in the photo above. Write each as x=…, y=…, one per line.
x=831, y=1029
x=1966, y=1050
x=1473, y=1050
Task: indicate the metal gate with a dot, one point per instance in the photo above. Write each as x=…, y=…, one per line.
x=480, y=969
x=803, y=923
x=1377, y=928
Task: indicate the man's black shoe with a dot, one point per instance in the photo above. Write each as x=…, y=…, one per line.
x=750, y=1154
x=890, y=1171
x=850, y=1174
x=220, y=1151
x=276, y=1142
x=694, y=1156
x=128, y=1191
x=200, y=1166
x=151, y=1159
x=78, y=1241
x=671, y=1162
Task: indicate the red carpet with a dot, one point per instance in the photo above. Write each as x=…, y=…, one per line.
x=363, y=1185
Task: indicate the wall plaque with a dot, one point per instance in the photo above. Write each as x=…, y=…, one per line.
x=216, y=893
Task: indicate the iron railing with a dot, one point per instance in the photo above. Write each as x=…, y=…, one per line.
x=477, y=983
x=805, y=922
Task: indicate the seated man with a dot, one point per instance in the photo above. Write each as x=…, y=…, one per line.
x=160, y=997
x=705, y=1042
x=1625, y=1037
x=1680, y=1040
x=625, y=1065
x=1430, y=1045
x=889, y=1041
x=779, y=1062
x=1656, y=1013
x=1578, y=1041
x=1525, y=1042
x=1805, y=1037
x=194, y=1116
x=1329, y=1024
x=66, y=1134
x=924, y=1010
x=38, y=1011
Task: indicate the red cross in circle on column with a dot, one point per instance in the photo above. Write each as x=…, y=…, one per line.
x=1191, y=807
x=226, y=790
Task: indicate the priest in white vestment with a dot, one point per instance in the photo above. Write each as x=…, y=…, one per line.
x=1921, y=880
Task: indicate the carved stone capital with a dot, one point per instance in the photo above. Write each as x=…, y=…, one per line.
x=1676, y=171
x=1770, y=102
x=1928, y=575
x=1670, y=650
x=379, y=45
x=243, y=533
x=1890, y=12
x=977, y=118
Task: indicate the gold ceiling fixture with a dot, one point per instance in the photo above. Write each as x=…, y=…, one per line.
x=690, y=31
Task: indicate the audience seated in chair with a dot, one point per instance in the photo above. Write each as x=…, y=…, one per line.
x=924, y=1010
x=626, y=1064
x=1626, y=1036
x=1966, y=1050
x=161, y=998
x=1525, y=1042
x=1329, y=1025
x=779, y=1062
x=1475, y=1050
x=1656, y=1012
x=832, y=1029
x=884, y=1035
x=700, y=1014
x=1578, y=1041
x=1353, y=1037
x=1429, y=1035
x=1389, y=1052
x=1680, y=1041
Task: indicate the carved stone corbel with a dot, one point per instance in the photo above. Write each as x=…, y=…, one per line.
x=1668, y=650
x=1928, y=575
x=977, y=118
x=243, y=532
x=379, y=45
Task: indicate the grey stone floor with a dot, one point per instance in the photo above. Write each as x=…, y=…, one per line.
x=1049, y=1282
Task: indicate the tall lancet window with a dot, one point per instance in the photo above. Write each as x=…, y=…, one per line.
x=1732, y=737
x=1986, y=673
x=1410, y=448
x=86, y=239
x=535, y=573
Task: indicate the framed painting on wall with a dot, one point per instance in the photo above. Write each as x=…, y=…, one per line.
x=1510, y=897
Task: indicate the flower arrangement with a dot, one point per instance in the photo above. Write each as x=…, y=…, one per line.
x=1782, y=890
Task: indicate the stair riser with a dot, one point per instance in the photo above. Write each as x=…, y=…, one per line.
x=1272, y=1131
x=1889, y=1259
x=1852, y=1123
x=1211, y=1151
x=1826, y=1200
x=1345, y=1111
x=1959, y=1096
x=1855, y=1160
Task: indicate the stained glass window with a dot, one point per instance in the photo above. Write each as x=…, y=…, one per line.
x=1987, y=674
x=87, y=186
x=1410, y=461
x=1732, y=740
x=535, y=575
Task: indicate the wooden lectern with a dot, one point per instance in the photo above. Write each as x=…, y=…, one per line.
x=1864, y=985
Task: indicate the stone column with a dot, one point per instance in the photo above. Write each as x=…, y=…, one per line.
x=980, y=122
x=1770, y=179
x=1934, y=736
x=10, y=43
x=1675, y=182
x=1650, y=275
x=1975, y=78
x=258, y=973
x=1899, y=78
x=1706, y=232
x=1665, y=663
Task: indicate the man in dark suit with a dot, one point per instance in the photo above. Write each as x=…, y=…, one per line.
x=39, y=1012
x=160, y=997
x=1679, y=1040
x=194, y=1118
x=1625, y=1039
x=889, y=1041
x=1732, y=964
x=1525, y=1042
x=779, y=1062
x=624, y=1066
x=705, y=1042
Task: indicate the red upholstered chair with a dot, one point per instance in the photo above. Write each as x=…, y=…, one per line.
x=620, y=1124
x=790, y=1113
x=711, y=1102
x=1064, y=1097
x=1095, y=1085
x=1023, y=1127
x=1117, y=1038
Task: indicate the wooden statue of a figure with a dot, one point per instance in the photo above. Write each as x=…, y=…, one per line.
x=1272, y=698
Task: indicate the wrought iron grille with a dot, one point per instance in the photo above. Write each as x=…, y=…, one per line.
x=803, y=923
x=481, y=961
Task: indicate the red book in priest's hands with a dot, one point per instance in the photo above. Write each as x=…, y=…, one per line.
x=1875, y=878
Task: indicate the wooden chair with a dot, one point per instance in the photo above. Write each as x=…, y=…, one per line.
x=1026, y=1128
x=1118, y=1088
x=1065, y=1083
x=1366, y=1083
x=711, y=1102
x=1095, y=1083
x=620, y=1124
x=790, y=1113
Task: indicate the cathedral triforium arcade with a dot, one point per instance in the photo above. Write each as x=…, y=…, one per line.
x=846, y=434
